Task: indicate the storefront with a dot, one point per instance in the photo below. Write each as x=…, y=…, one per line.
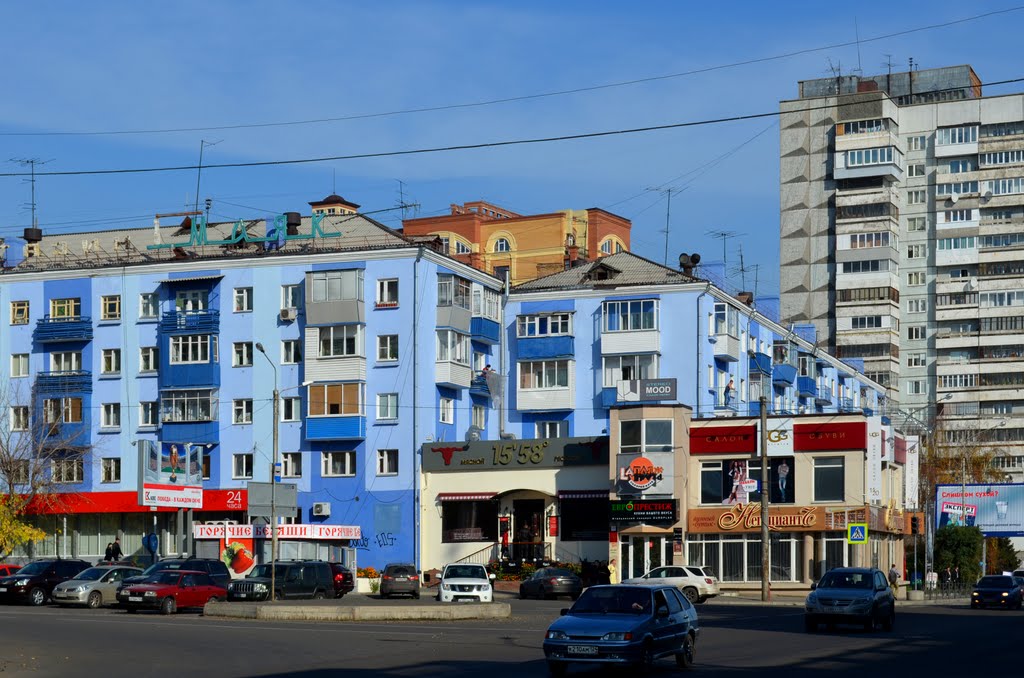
x=242, y=547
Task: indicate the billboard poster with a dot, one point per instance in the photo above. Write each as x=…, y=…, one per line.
x=779, y=440
x=733, y=480
x=735, y=472
x=648, y=474
x=997, y=509
x=913, y=469
x=873, y=475
x=172, y=474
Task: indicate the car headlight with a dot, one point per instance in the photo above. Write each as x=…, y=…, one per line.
x=446, y=587
x=150, y=594
x=618, y=635
x=1005, y=594
x=81, y=589
x=557, y=635
x=974, y=593
x=812, y=599
x=21, y=582
x=863, y=602
x=262, y=588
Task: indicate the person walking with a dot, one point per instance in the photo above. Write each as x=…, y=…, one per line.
x=108, y=554
x=115, y=550
x=613, y=572
x=894, y=579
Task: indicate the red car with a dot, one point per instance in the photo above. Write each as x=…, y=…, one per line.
x=171, y=590
x=344, y=582
x=7, y=569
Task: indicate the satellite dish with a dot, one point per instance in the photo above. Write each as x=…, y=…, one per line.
x=953, y=198
x=473, y=434
x=988, y=193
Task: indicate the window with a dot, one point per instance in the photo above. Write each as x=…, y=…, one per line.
x=917, y=143
x=486, y=303
x=191, y=301
x=331, y=400
x=291, y=296
x=916, y=278
x=19, y=312
x=866, y=240
x=548, y=325
x=19, y=365
x=291, y=465
x=241, y=467
x=446, y=411
x=829, y=479
x=387, y=347
x=953, y=216
x=243, y=299
x=917, y=306
x=452, y=291
x=445, y=245
x=18, y=472
x=111, y=415
x=628, y=367
x=111, y=361
x=957, y=188
x=387, y=293
x=869, y=156
x=917, y=223
x=337, y=285
x=645, y=435
x=291, y=352
x=917, y=252
x=206, y=467
x=242, y=354
x=65, y=309
x=66, y=361
x=551, y=429
x=191, y=348
x=19, y=417
x=870, y=266
x=917, y=387
x=462, y=248
x=544, y=374
x=630, y=316
x=149, y=305
x=1015, y=157
x=148, y=412
x=387, y=406
x=387, y=462
x=290, y=409
x=453, y=347
x=606, y=247
x=1006, y=186
x=915, y=170
x=916, y=332
x=111, y=470
x=188, y=405
x=110, y=307
x=1003, y=129
x=959, y=381
x=338, y=464
x=861, y=126
x=67, y=471
x=149, y=359
x=965, y=134
x=480, y=416
x=242, y=412
x=917, y=197
x=468, y=521
x=866, y=322
x=502, y=245
x=341, y=341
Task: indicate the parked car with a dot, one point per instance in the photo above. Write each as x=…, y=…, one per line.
x=997, y=591
x=217, y=570
x=399, y=578
x=548, y=582
x=696, y=583
x=293, y=580
x=344, y=581
x=623, y=624
x=94, y=587
x=7, y=569
x=171, y=590
x=34, y=582
x=851, y=595
x=463, y=581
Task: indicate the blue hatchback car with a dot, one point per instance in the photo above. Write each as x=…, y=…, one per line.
x=623, y=624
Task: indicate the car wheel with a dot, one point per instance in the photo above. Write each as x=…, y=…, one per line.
x=647, y=656
x=890, y=621
x=278, y=595
x=684, y=658
x=416, y=595
x=37, y=596
x=522, y=593
x=691, y=594
x=547, y=595
x=869, y=623
x=385, y=596
x=95, y=600
x=168, y=606
x=319, y=595
x=810, y=626
x=557, y=668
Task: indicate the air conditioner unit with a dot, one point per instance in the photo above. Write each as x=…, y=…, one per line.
x=289, y=314
x=321, y=508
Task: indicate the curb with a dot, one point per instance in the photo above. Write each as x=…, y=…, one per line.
x=349, y=613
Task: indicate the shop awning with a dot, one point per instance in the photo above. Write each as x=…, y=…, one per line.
x=583, y=494
x=466, y=496
x=192, y=278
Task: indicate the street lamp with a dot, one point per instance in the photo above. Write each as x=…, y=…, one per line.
x=273, y=482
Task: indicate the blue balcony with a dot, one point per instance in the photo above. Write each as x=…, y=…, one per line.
x=823, y=397
x=205, y=432
x=761, y=363
x=193, y=322
x=335, y=428
x=805, y=387
x=63, y=383
x=478, y=387
x=52, y=330
x=65, y=435
x=784, y=375
x=484, y=330
x=846, y=404
x=545, y=348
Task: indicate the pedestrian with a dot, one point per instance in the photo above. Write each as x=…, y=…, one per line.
x=947, y=577
x=956, y=574
x=894, y=578
x=115, y=550
x=729, y=389
x=504, y=544
x=108, y=554
x=613, y=572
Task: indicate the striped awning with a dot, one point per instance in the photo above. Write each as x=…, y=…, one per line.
x=583, y=494
x=466, y=496
x=192, y=278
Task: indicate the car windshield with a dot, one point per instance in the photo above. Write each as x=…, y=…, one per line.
x=162, y=566
x=264, y=571
x=559, y=572
x=35, y=568
x=400, y=570
x=995, y=582
x=92, y=574
x=167, y=578
x=845, y=580
x=465, y=572
x=614, y=600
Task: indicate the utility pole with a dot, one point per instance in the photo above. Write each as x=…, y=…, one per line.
x=765, y=488
x=273, y=481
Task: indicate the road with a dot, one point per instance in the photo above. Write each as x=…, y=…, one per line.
x=737, y=640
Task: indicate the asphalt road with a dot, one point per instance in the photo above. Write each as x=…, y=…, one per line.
x=737, y=640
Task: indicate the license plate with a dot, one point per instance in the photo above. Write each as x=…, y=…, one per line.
x=242, y=595
x=833, y=609
x=134, y=599
x=582, y=649
x=3, y=589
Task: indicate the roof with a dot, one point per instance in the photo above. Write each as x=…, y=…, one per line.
x=334, y=199
x=621, y=269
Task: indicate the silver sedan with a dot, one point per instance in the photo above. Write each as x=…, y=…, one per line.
x=93, y=587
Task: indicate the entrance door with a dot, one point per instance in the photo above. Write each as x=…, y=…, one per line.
x=528, y=529
x=642, y=553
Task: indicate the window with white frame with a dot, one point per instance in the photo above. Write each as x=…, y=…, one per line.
x=917, y=305
x=917, y=332
x=486, y=303
x=453, y=347
x=241, y=466
x=546, y=430
x=66, y=361
x=866, y=322
x=917, y=251
x=387, y=406
x=916, y=360
x=502, y=245
x=479, y=416
x=149, y=359
x=462, y=248
x=110, y=307
x=111, y=361
x=243, y=299
x=291, y=352
x=446, y=411
x=110, y=470
x=339, y=464
x=111, y=415
x=387, y=293
x=917, y=387
x=645, y=436
x=917, y=196
x=387, y=462
x=341, y=341
x=290, y=409
x=149, y=305
x=629, y=367
x=19, y=417
x=917, y=223
x=191, y=301
x=871, y=156
x=188, y=405
x=630, y=316
x=958, y=381
x=543, y=374
x=291, y=465
x=19, y=312
x=453, y=291
x=544, y=325
x=333, y=400
x=291, y=296
x=67, y=471
x=149, y=411
x=917, y=143
x=19, y=365
x=241, y=354
x=915, y=170
x=387, y=347
x=479, y=360
x=916, y=278
x=337, y=285
x=869, y=240
x=242, y=411
x=191, y=348
x=66, y=410
x=964, y=134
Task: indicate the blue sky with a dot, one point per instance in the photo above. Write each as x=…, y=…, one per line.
x=117, y=66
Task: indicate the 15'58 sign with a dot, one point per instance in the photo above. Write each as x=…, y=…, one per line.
x=522, y=453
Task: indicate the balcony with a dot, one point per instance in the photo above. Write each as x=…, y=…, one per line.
x=452, y=375
x=823, y=397
x=193, y=322
x=61, y=383
x=478, y=387
x=872, y=161
x=846, y=405
x=726, y=347
x=727, y=407
x=546, y=348
x=484, y=330
x=760, y=363
x=784, y=375
x=805, y=387
x=335, y=428
x=72, y=328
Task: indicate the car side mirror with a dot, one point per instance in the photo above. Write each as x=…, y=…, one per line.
x=564, y=611
x=662, y=611
x=814, y=585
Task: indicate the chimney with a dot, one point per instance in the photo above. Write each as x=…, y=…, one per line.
x=746, y=297
x=687, y=262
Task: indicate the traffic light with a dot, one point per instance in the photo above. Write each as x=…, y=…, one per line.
x=915, y=525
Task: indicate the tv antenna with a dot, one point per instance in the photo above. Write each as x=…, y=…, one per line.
x=724, y=236
x=668, y=212
x=202, y=144
x=31, y=163
x=743, y=269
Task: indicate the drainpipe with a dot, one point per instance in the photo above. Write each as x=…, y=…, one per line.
x=415, y=409
x=700, y=350
x=501, y=361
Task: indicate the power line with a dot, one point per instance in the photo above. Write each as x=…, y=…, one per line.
x=465, y=147
x=529, y=97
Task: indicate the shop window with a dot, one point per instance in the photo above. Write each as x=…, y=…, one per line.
x=584, y=519
x=463, y=521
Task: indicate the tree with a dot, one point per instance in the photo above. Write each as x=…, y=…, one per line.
x=1002, y=557
x=959, y=547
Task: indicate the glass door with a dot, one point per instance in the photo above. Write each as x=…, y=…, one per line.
x=640, y=554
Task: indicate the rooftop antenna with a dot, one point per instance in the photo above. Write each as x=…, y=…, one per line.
x=31, y=163
x=668, y=212
x=334, y=181
x=837, y=73
x=856, y=32
x=888, y=73
x=199, y=175
x=724, y=236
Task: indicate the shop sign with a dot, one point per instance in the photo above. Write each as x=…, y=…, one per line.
x=283, y=531
x=873, y=475
x=552, y=526
x=501, y=455
x=779, y=438
x=723, y=439
x=827, y=436
x=747, y=518
x=643, y=511
x=644, y=474
x=645, y=390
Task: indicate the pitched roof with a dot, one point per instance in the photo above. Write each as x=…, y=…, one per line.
x=615, y=270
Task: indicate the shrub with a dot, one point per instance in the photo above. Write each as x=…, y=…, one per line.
x=367, y=573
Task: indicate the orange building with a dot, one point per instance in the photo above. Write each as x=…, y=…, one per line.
x=502, y=242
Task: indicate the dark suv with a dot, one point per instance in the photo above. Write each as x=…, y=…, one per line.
x=399, y=578
x=344, y=581
x=217, y=570
x=292, y=579
x=35, y=582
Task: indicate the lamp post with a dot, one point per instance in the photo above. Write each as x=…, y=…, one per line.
x=765, y=488
x=273, y=482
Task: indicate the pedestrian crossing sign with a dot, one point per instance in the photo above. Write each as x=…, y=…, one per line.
x=857, y=533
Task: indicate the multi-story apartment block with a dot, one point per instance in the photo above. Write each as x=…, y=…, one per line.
x=902, y=203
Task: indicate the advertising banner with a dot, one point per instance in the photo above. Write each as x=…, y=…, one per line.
x=645, y=390
x=780, y=436
x=500, y=455
x=873, y=472
x=171, y=474
x=647, y=474
x=913, y=469
x=660, y=511
x=736, y=482
x=997, y=509
x=292, y=531
x=747, y=518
